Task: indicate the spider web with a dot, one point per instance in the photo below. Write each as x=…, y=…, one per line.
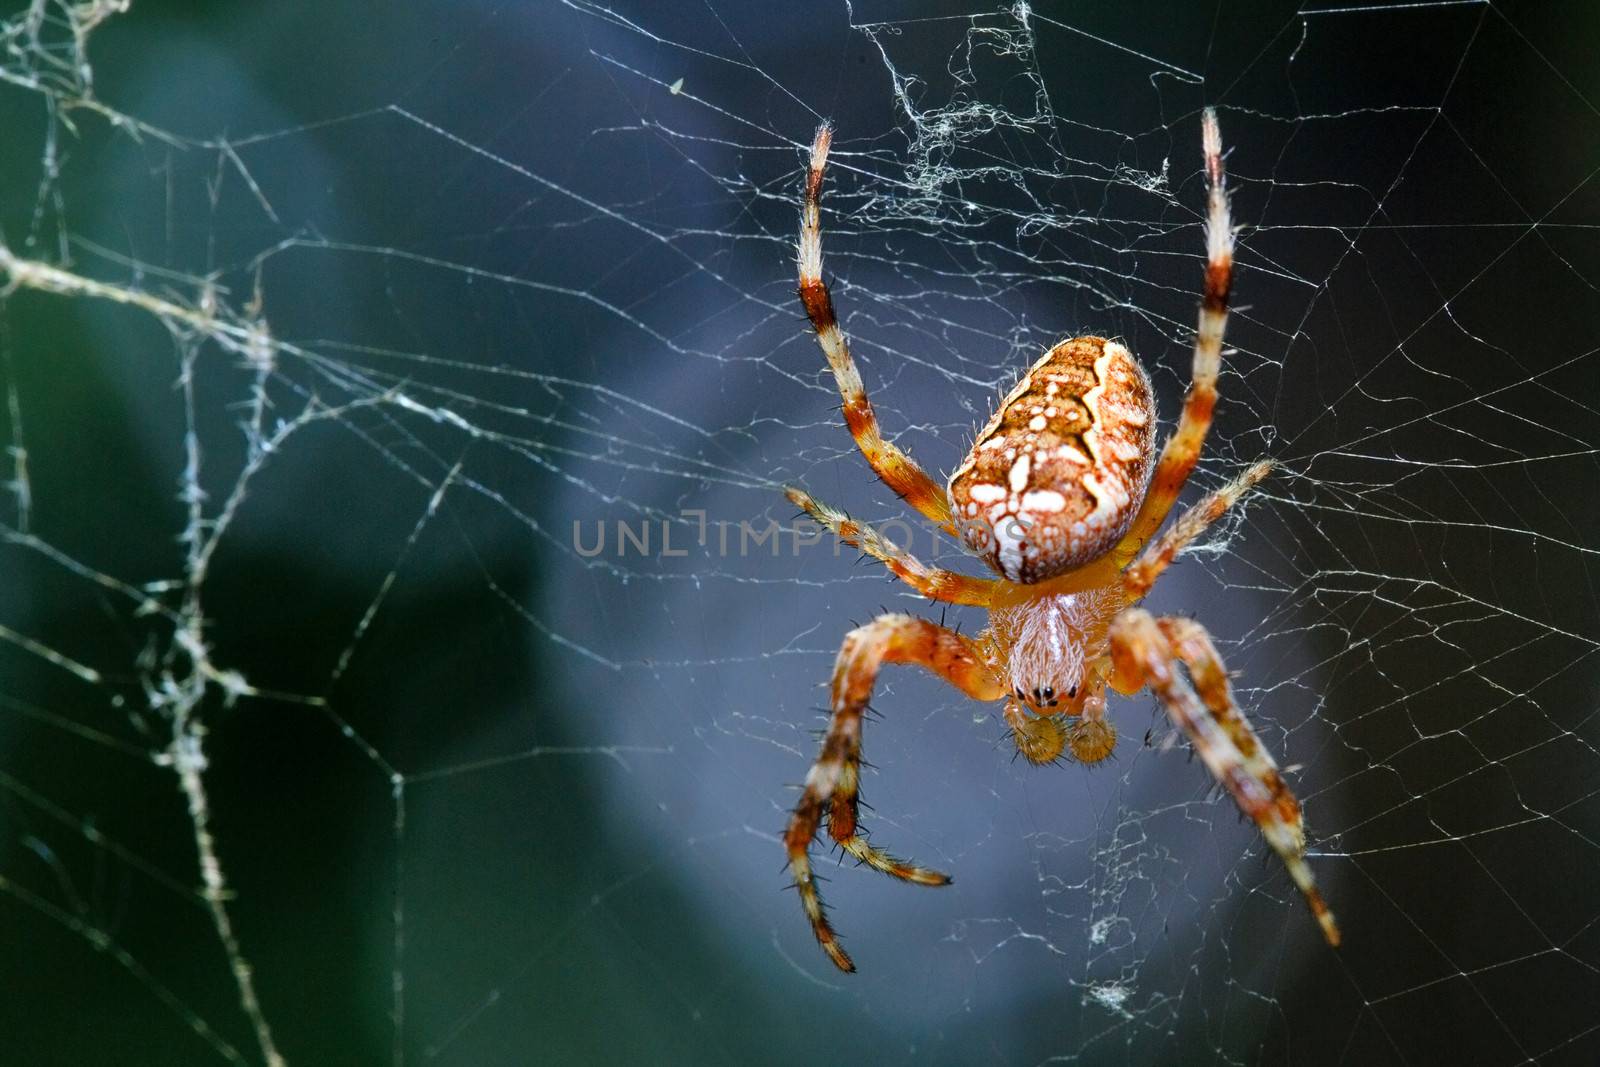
x=405, y=647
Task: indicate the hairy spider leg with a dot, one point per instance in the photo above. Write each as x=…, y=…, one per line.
x=933, y=583
x=1182, y=450
x=1145, y=650
x=898, y=470
x=1143, y=572
x=832, y=785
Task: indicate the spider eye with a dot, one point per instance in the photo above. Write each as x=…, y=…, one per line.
x=1072, y=692
x=1049, y=692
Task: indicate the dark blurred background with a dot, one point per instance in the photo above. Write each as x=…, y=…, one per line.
x=499, y=799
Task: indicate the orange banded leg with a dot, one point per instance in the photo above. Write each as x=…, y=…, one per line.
x=1182, y=449
x=832, y=785
x=931, y=582
x=1142, y=574
x=1151, y=649
x=898, y=470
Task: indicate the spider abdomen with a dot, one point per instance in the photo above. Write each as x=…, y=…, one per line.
x=1056, y=477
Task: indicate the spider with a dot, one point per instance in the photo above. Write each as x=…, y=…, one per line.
x=1061, y=495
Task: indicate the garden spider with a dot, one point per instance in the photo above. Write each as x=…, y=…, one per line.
x=1061, y=496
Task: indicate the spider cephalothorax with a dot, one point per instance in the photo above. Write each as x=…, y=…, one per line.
x=1061, y=495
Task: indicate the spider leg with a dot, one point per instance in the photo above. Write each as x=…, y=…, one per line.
x=1182, y=450
x=933, y=583
x=898, y=470
x=1149, y=649
x=1142, y=573
x=832, y=784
